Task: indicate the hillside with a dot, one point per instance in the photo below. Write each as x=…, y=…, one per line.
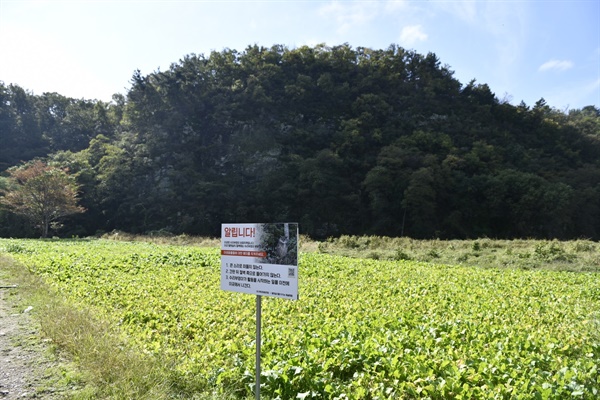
x=342, y=140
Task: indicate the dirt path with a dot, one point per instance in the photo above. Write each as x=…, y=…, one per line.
x=27, y=368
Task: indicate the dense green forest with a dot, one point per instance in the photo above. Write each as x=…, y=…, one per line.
x=342, y=140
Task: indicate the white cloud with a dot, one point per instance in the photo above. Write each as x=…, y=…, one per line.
x=557, y=65
x=567, y=94
x=396, y=5
x=350, y=15
x=41, y=62
x=592, y=87
x=592, y=90
x=464, y=10
x=412, y=34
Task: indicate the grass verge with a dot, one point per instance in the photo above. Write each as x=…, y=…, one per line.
x=50, y=374
x=104, y=366
x=99, y=362
x=575, y=255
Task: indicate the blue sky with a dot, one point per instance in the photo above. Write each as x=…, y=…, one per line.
x=524, y=50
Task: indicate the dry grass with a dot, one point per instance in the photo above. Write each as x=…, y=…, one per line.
x=162, y=237
x=576, y=255
x=111, y=369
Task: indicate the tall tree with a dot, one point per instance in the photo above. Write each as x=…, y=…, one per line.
x=42, y=193
x=343, y=140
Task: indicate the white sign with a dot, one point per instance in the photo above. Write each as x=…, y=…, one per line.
x=260, y=259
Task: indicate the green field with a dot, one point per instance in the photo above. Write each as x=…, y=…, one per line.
x=363, y=328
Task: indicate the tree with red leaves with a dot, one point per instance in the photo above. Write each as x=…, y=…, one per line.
x=43, y=194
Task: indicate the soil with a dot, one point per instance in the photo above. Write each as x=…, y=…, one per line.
x=28, y=369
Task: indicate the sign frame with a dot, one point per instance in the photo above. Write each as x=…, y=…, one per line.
x=260, y=259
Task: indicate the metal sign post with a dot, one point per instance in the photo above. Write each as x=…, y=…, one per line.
x=258, y=343
x=260, y=259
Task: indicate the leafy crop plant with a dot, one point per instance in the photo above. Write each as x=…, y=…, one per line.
x=362, y=329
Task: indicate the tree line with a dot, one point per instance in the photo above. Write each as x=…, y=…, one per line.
x=342, y=140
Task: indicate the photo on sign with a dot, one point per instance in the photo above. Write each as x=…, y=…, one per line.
x=280, y=243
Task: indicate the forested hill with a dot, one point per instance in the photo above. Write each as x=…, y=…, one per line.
x=341, y=140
